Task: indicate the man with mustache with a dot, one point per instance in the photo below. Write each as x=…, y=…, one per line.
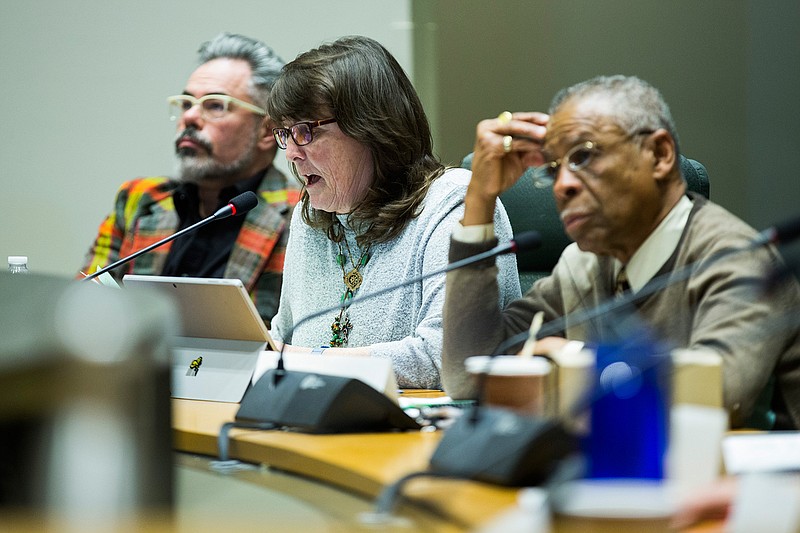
x=224, y=145
x=609, y=150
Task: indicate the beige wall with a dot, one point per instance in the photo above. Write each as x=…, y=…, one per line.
x=730, y=70
x=84, y=87
x=84, y=84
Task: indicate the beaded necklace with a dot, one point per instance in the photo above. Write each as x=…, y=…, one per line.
x=341, y=326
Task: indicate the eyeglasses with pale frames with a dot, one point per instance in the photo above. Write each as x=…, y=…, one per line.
x=577, y=158
x=212, y=106
x=301, y=132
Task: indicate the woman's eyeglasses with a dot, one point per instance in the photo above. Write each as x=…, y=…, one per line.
x=301, y=133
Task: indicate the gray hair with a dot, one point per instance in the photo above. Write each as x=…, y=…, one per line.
x=636, y=104
x=264, y=63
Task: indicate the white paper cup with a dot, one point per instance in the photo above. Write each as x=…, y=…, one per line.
x=518, y=383
x=618, y=505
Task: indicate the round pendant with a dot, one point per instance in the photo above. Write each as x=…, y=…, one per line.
x=353, y=280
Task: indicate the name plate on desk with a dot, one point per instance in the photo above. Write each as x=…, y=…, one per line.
x=374, y=371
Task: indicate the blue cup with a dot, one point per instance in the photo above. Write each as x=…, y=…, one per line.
x=629, y=429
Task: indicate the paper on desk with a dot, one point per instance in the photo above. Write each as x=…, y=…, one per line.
x=406, y=402
x=762, y=452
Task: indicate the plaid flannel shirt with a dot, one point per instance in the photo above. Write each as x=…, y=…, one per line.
x=144, y=213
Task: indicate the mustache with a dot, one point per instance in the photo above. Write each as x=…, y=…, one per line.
x=191, y=133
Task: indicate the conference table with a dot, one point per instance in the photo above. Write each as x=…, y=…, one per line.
x=346, y=473
x=359, y=463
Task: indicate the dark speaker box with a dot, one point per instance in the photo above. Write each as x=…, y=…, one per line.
x=319, y=403
x=501, y=447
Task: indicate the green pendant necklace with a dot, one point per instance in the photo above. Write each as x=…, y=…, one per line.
x=341, y=326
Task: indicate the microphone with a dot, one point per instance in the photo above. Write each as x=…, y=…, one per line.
x=525, y=450
x=783, y=233
x=239, y=205
x=522, y=242
x=268, y=399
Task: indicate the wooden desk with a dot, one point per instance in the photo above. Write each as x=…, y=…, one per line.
x=360, y=463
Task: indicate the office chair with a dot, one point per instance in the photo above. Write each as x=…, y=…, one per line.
x=534, y=208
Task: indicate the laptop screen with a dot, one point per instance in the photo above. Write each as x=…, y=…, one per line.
x=214, y=308
x=220, y=338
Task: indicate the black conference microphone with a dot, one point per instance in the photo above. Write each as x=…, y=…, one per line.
x=299, y=399
x=522, y=242
x=783, y=233
x=498, y=446
x=239, y=205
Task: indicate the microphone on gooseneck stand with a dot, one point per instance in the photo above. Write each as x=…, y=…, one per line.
x=522, y=242
x=783, y=233
x=499, y=447
x=344, y=404
x=239, y=205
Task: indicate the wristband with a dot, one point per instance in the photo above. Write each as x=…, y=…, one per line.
x=319, y=350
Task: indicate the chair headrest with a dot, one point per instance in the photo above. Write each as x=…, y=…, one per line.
x=696, y=176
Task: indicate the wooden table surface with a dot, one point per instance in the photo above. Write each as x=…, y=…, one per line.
x=363, y=463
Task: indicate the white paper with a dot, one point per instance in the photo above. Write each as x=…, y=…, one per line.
x=762, y=452
x=374, y=371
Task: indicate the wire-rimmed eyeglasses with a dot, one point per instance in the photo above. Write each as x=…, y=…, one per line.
x=577, y=158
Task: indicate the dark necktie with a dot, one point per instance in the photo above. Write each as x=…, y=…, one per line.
x=622, y=283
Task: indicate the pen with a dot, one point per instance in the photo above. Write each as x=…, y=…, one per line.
x=530, y=345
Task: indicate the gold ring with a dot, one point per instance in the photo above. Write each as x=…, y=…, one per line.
x=507, y=143
x=504, y=117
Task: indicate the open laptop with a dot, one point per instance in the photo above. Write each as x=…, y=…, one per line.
x=220, y=339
